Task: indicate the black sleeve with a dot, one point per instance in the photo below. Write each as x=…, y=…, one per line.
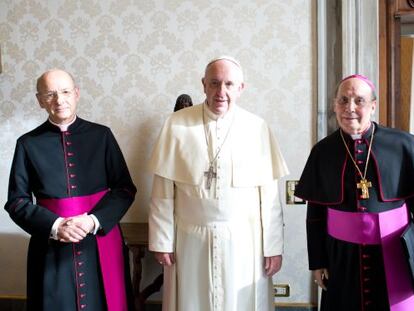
x=316, y=236
x=116, y=202
x=410, y=206
x=32, y=218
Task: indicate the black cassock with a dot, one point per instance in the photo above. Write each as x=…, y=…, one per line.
x=356, y=272
x=48, y=163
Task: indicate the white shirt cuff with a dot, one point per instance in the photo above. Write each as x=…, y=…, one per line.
x=54, y=230
x=97, y=224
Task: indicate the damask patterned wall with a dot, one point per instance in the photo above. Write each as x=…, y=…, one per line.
x=131, y=59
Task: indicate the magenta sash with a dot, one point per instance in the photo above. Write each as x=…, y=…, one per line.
x=109, y=247
x=380, y=228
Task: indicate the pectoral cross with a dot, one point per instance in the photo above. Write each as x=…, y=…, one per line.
x=364, y=185
x=210, y=174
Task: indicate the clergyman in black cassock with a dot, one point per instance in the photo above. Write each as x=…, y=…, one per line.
x=358, y=183
x=69, y=187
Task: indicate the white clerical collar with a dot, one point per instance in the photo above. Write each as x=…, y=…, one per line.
x=356, y=136
x=359, y=136
x=211, y=115
x=63, y=127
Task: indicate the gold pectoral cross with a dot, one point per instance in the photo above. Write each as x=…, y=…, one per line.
x=210, y=174
x=364, y=185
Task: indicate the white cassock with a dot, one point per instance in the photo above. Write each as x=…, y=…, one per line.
x=220, y=235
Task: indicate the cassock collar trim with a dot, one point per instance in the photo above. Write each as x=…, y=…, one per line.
x=55, y=128
x=364, y=135
x=63, y=127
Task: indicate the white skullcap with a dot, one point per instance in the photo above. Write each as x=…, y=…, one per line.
x=228, y=58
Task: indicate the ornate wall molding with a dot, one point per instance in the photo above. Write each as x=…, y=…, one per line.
x=347, y=44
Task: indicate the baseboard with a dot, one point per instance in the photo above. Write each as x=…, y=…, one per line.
x=293, y=306
x=12, y=303
x=156, y=306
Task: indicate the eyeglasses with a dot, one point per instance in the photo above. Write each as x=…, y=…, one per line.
x=359, y=101
x=49, y=96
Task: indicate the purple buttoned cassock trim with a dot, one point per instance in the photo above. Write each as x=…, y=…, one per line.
x=109, y=247
x=382, y=229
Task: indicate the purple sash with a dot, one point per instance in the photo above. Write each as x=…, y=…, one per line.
x=109, y=247
x=380, y=228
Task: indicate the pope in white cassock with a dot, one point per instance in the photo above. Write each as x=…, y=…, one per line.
x=215, y=218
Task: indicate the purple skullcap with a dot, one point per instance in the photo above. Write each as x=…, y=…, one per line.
x=360, y=77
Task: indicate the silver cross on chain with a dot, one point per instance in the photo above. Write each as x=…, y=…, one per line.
x=210, y=174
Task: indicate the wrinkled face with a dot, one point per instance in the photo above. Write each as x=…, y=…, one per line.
x=222, y=85
x=58, y=95
x=354, y=106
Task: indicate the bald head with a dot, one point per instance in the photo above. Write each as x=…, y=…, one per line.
x=58, y=95
x=42, y=80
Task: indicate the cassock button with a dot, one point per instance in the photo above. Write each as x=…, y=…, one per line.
x=73, y=186
x=72, y=175
x=81, y=274
x=67, y=133
x=82, y=284
x=83, y=306
x=359, y=151
x=79, y=253
x=71, y=164
x=82, y=295
x=68, y=143
x=360, y=161
x=70, y=154
x=80, y=263
x=359, y=141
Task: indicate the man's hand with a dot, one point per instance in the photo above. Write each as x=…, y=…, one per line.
x=75, y=229
x=84, y=221
x=165, y=259
x=272, y=265
x=320, y=276
x=68, y=233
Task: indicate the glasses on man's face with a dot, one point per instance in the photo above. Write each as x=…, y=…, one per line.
x=359, y=101
x=49, y=96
